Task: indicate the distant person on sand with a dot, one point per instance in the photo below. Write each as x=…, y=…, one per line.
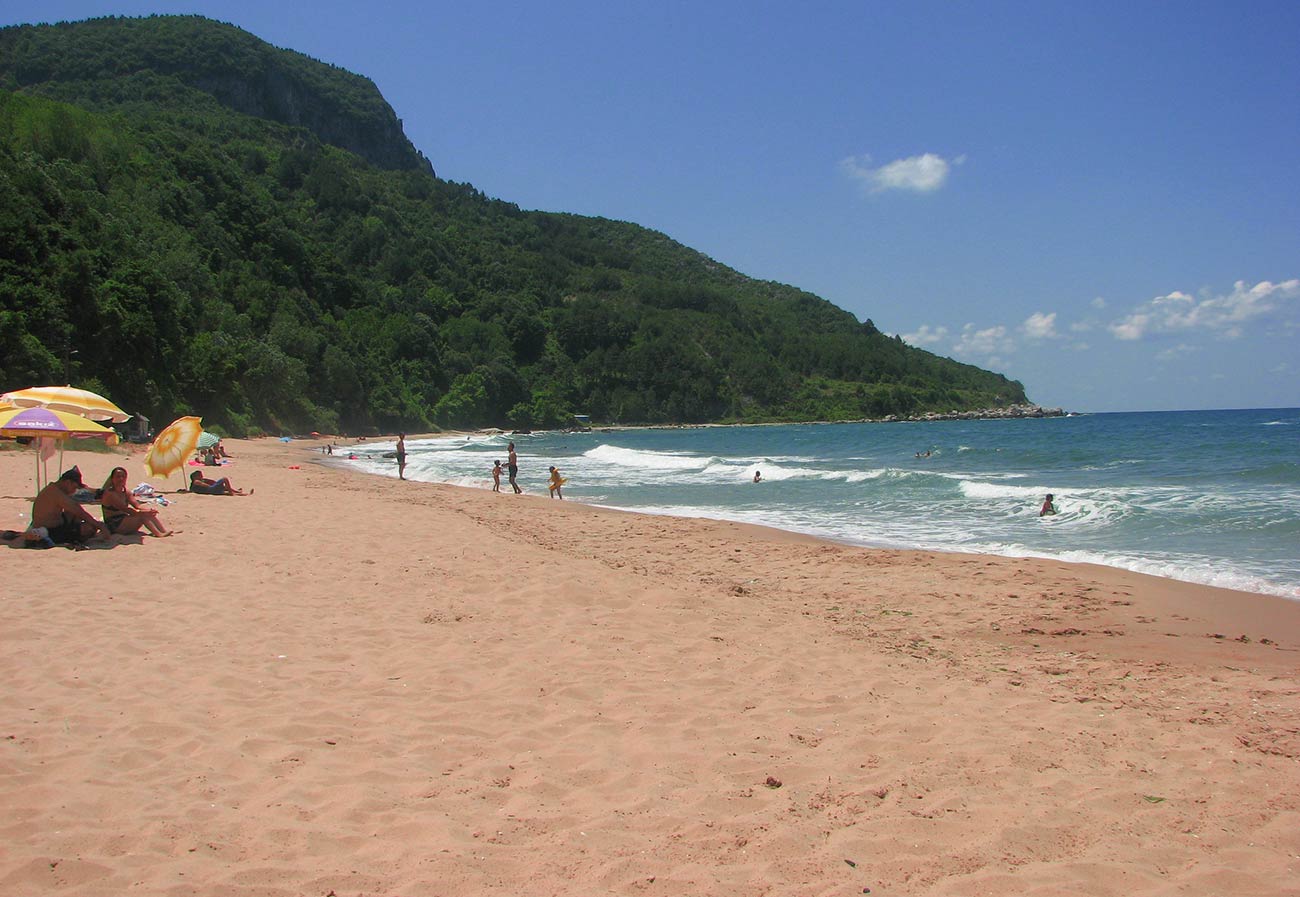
x=512, y=467
x=496, y=476
x=401, y=456
x=1048, y=508
x=66, y=520
x=201, y=485
x=758, y=476
x=556, y=482
x=123, y=513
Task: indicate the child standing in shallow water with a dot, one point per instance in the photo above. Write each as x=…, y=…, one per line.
x=496, y=476
x=556, y=482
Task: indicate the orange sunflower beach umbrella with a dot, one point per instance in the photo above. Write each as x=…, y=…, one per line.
x=82, y=402
x=173, y=446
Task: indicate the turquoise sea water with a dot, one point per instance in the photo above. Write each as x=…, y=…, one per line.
x=1204, y=496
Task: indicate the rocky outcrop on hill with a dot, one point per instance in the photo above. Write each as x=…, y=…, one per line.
x=70, y=61
x=1008, y=413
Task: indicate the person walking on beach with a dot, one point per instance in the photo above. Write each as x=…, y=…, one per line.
x=512, y=468
x=556, y=482
x=496, y=476
x=401, y=456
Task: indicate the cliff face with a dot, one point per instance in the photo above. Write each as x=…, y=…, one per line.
x=374, y=134
x=237, y=69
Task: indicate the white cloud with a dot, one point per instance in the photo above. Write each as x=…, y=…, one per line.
x=1099, y=302
x=1040, y=326
x=1131, y=328
x=921, y=174
x=926, y=335
x=1225, y=316
x=987, y=342
x=1175, y=352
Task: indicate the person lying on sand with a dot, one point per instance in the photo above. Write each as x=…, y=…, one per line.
x=201, y=485
x=66, y=521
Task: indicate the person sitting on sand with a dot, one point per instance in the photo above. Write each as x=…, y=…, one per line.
x=123, y=513
x=66, y=521
x=201, y=485
x=1048, y=508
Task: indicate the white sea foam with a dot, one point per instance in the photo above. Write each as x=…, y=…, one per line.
x=647, y=460
x=974, y=489
x=1204, y=571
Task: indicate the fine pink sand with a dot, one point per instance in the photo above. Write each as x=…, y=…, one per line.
x=349, y=685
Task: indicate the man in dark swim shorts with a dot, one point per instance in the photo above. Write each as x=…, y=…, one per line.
x=66, y=520
x=512, y=467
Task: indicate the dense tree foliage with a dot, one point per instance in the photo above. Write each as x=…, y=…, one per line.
x=187, y=241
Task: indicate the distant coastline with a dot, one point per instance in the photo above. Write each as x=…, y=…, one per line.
x=1009, y=412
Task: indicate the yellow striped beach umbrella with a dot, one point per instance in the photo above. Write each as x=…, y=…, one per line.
x=81, y=402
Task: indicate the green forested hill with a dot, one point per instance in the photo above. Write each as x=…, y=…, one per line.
x=194, y=221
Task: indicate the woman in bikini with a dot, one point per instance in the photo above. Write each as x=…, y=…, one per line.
x=123, y=513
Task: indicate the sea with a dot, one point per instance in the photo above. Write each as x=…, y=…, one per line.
x=1203, y=496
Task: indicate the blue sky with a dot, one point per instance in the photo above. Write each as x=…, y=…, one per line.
x=1100, y=199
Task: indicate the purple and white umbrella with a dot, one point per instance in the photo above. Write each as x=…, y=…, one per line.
x=47, y=426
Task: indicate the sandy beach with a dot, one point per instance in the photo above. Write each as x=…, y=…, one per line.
x=348, y=685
